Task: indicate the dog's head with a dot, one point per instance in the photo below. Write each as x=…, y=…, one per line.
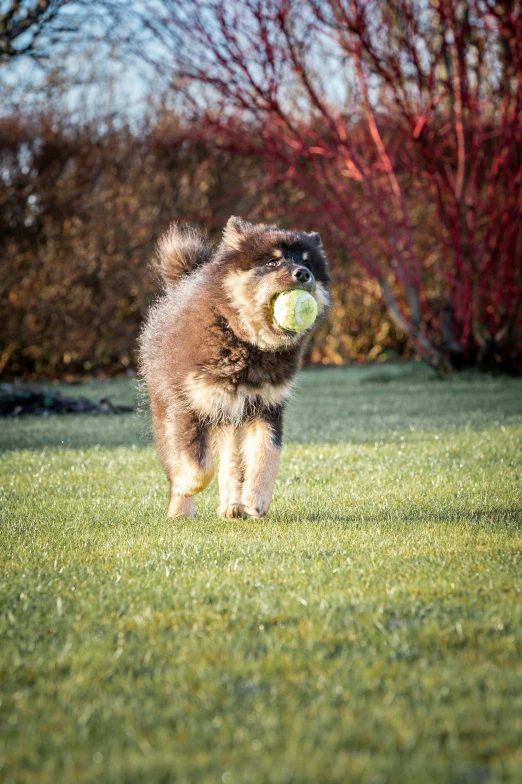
x=259, y=262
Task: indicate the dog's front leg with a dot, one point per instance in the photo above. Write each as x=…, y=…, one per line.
x=260, y=448
x=230, y=475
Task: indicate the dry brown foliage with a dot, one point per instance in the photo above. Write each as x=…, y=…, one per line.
x=80, y=212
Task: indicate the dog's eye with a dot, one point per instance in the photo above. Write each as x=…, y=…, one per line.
x=273, y=263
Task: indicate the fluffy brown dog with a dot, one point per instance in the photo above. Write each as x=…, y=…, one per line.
x=218, y=368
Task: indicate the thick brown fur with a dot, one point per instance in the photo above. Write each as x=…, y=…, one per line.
x=217, y=367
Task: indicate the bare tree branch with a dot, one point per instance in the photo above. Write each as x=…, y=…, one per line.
x=25, y=21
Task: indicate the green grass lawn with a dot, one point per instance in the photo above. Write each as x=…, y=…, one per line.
x=369, y=630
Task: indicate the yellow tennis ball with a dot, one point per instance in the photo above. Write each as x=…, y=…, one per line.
x=295, y=310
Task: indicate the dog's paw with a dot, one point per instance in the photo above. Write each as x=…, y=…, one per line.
x=256, y=512
x=232, y=511
x=181, y=507
x=256, y=508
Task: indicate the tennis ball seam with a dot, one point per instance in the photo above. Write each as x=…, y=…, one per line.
x=297, y=311
x=288, y=312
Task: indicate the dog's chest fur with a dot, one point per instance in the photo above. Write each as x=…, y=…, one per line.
x=237, y=378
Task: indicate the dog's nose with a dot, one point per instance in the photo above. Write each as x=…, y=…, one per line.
x=302, y=275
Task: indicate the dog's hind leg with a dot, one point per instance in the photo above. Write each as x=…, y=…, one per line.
x=190, y=464
x=260, y=448
x=230, y=474
x=184, y=446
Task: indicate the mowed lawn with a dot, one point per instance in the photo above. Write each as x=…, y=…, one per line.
x=368, y=630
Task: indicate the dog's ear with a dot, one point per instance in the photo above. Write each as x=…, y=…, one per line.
x=234, y=232
x=315, y=237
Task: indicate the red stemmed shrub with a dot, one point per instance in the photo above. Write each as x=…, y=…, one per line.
x=398, y=125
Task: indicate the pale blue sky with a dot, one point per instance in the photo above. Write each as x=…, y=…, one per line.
x=88, y=73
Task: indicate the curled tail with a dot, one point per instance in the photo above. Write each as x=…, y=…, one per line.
x=180, y=251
